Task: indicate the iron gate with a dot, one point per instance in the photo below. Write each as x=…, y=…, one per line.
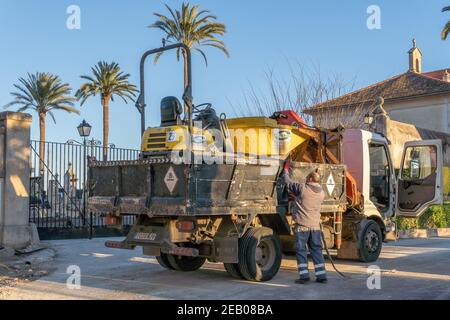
x=57, y=189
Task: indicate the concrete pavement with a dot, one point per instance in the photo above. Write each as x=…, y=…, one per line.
x=410, y=269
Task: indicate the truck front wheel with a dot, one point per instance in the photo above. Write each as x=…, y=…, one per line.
x=259, y=254
x=370, y=242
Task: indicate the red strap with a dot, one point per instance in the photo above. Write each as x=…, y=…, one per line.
x=287, y=164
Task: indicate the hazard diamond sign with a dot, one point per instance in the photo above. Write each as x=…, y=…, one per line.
x=170, y=179
x=330, y=184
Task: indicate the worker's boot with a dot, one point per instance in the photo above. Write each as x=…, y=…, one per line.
x=323, y=280
x=302, y=281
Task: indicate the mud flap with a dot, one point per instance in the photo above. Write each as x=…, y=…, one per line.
x=349, y=251
x=350, y=247
x=151, y=251
x=226, y=249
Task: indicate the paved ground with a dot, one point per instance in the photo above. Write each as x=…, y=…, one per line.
x=25, y=267
x=410, y=269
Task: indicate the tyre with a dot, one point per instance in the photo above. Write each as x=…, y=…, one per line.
x=163, y=261
x=259, y=254
x=181, y=263
x=233, y=270
x=370, y=242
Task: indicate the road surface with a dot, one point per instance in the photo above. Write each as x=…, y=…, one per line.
x=410, y=269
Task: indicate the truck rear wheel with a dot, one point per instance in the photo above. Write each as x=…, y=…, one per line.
x=181, y=263
x=370, y=242
x=259, y=254
x=233, y=270
x=164, y=262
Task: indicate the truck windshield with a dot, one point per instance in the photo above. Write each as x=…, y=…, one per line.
x=379, y=176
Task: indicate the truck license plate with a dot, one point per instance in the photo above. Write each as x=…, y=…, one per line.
x=145, y=236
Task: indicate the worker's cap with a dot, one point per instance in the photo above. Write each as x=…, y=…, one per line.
x=314, y=176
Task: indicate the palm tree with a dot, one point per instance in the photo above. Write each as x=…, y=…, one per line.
x=194, y=28
x=44, y=93
x=446, y=29
x=108, y=80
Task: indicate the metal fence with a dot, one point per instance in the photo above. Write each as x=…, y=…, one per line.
x=57, y=185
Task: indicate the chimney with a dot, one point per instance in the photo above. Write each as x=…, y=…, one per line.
x=415, y=58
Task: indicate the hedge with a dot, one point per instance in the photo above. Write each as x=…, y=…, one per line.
x=434, y=217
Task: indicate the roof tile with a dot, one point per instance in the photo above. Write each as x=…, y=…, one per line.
x=406, y=85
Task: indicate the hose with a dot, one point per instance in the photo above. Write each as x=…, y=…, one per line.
x=329, y=255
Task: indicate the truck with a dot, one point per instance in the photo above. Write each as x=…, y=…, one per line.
x=206, y=187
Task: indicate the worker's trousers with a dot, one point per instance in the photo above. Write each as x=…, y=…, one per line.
x=309, y=238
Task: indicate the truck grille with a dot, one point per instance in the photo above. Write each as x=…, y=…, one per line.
x=156, y=146
x=156, y=140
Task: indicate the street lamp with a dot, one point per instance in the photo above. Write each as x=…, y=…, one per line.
x=368, y=119
x=84, y=130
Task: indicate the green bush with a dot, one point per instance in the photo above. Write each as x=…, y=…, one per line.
x=404, y=223
x=447, y=213
x=434, y=217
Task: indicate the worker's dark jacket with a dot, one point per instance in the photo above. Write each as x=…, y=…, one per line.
x=308, y=199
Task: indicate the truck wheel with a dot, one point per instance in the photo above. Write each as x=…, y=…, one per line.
x=181, y=263
x=163, y=261
x=370, y=242
x=233, y=270
x=259, y=254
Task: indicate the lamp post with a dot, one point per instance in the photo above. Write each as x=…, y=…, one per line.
x=84, y=130
x=368, y=119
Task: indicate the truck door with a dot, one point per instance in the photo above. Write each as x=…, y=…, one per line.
x=419, y=182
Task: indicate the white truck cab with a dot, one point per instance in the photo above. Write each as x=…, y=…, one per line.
x=388, y=191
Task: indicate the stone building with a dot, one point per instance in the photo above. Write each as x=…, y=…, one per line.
x=415, y=97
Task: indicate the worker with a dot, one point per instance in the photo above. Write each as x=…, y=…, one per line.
x=308, y=198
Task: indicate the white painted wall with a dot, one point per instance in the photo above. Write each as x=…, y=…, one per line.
x=432, y=112
x=428, y=113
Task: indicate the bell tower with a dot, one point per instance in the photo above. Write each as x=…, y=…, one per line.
x=415, y=58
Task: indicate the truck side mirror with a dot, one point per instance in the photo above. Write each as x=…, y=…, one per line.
x=414, y=166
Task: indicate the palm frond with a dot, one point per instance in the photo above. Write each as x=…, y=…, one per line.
x=50, y=113
x=191, y=26
x=203, y=55
x=24, y=108
x=220, y=47
x=42, y=92
x=445, y=31
x=108, y=80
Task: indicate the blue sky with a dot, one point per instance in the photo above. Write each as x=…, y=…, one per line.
x=261, y=35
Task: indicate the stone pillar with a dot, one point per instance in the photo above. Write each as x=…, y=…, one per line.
x=15, y=230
